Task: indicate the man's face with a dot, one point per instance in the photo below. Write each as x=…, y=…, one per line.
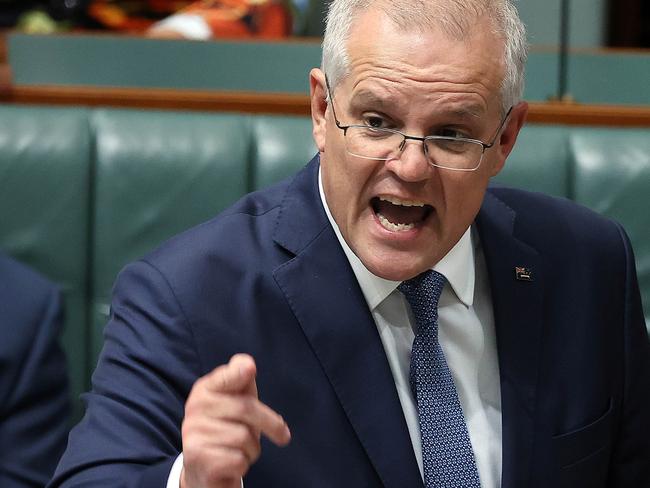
x=420, y=83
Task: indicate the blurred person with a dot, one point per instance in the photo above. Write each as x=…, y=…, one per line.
x=265, y=19
x=129, y=16
x=384, y=318
x=34, y=406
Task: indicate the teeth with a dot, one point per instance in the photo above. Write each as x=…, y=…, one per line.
x=399, y=201
x=387, y=224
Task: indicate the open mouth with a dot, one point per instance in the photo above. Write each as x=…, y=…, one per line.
x=399, y=215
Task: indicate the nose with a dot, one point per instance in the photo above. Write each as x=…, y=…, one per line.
x=411, y=164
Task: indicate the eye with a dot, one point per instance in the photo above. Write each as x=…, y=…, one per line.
x=452, y=133
x=375, y=122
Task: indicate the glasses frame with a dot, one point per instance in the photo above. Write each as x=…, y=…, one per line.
x=484, y=145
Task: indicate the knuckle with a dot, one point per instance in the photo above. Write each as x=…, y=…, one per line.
x=243, y=408
x=194, y=413
x=240, y=435
x=221, y=380
x=191, y=454
x=187, y=428
x=213, y=474
x=239, y=463
x=191, y=407
x=199, y=385
x=216, y=380
x=189, y=435
x=198, y=393
x=230, y=464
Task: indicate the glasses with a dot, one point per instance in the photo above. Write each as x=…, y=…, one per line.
x=453, y=153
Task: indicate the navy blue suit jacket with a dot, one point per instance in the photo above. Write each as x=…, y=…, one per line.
x=268, y=277
x=34, y=406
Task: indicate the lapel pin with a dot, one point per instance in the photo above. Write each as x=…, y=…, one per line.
x=523, y=274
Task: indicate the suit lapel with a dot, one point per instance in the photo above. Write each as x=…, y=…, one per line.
x=517, y=307
x=325, y=297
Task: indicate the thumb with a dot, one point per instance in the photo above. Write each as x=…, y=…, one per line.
x=238, y=376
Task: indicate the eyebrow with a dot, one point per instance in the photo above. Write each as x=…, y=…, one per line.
x=366, y=97
x=461, y=111
x=473, y=110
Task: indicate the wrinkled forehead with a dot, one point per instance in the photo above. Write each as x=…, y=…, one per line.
x=378, y=47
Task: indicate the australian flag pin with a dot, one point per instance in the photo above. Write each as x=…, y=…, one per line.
x=523, y=274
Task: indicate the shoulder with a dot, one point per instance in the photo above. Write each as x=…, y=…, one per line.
x=237, y=241
x=538, y=213
x=250, y=220
x=562, y=230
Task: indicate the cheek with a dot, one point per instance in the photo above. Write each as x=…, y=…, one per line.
x=338, y=170
x=334, y=170
x=336, y=184
x=345, y=185
x=492, y=163
x=463, y=196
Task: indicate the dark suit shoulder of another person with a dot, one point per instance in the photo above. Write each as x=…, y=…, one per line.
x=34, y=405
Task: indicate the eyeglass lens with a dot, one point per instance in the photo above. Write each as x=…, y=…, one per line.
x=382, y=144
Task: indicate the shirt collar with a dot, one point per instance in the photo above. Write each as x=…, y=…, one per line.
x=457, y=266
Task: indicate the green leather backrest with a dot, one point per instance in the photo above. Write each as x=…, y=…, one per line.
x=44, y=202
x=612, y=176
x=281, y=146
x=158, y=173
x=539, y=161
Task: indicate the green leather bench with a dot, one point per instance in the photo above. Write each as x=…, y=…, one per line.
x=84, y=191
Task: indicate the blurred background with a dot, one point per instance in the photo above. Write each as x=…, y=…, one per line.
x=593, y=23
x=587, y=51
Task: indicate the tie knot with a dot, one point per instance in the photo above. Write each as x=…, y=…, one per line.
x=423, y=293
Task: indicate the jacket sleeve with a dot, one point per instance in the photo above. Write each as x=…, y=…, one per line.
x=130, y=434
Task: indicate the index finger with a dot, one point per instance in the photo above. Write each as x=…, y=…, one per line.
x=271, y=424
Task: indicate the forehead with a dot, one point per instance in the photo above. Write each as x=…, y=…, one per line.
x=424, y=64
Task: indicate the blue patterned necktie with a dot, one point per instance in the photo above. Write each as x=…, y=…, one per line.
x=447, y=456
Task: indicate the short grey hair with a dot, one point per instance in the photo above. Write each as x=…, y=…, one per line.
x=455, y=17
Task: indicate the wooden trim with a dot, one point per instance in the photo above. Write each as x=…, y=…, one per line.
x=285, y=103
x=583, y=114
x=159, y=98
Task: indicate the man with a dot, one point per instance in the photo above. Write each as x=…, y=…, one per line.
x=34, y=404
x=402, y=326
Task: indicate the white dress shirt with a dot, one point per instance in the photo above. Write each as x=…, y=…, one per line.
x=467, y=337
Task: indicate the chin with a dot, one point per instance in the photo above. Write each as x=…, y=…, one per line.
x=396, y=268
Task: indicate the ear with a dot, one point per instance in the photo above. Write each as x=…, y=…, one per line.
x=317, y=92
x=508, y=137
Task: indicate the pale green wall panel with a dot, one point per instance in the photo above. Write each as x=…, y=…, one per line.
x=127, y=61
x=587, y=21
